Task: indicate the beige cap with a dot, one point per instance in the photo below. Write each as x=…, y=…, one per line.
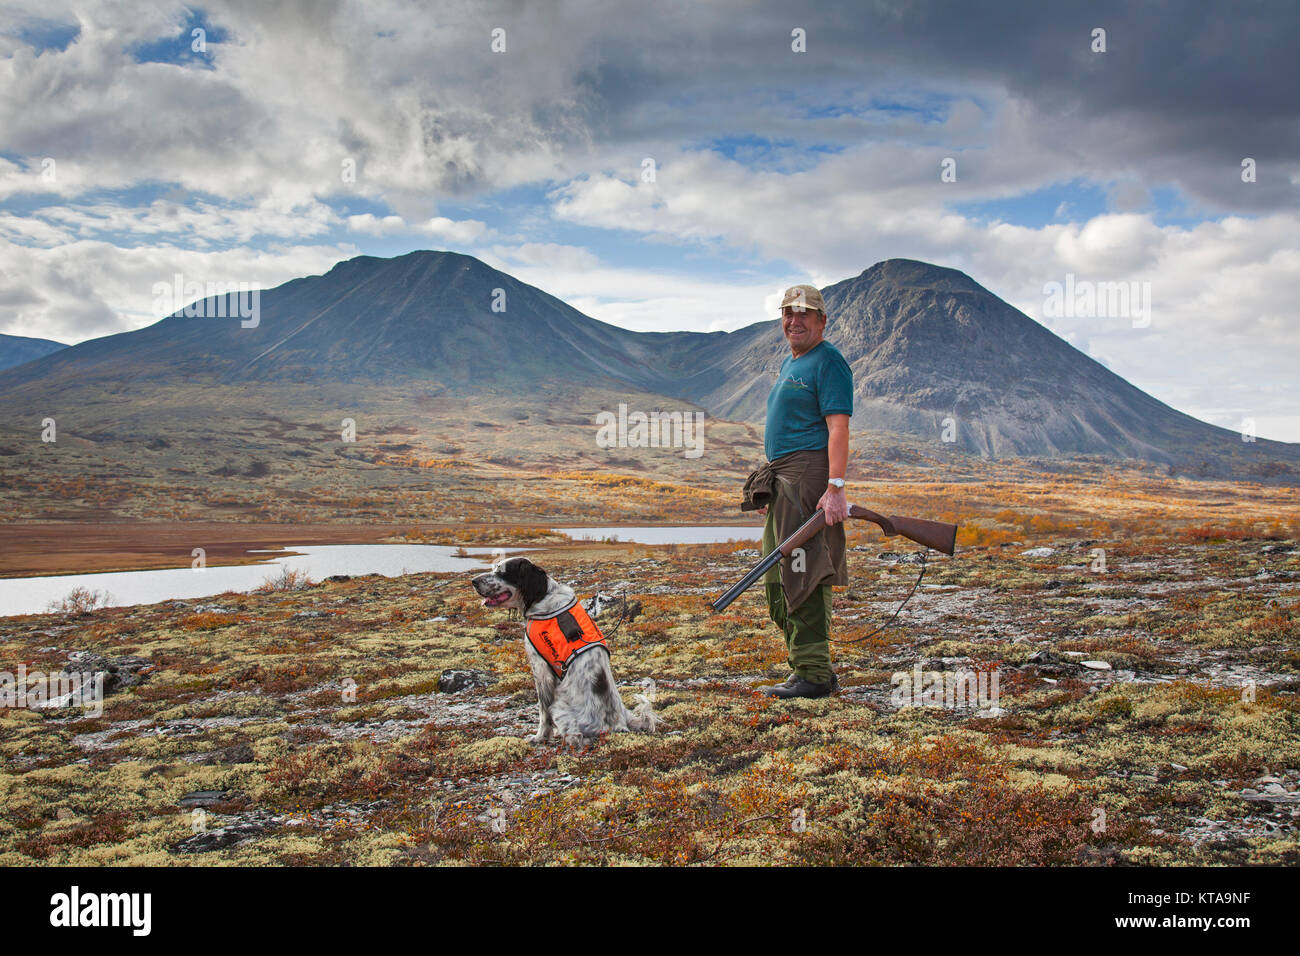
x=803, y=297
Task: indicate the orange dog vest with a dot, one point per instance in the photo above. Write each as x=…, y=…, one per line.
x=562, y=638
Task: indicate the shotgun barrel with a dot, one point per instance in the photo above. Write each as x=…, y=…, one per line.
x=782, y=550
x=938, y=535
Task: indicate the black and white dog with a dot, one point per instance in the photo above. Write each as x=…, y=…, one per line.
x=567, y=655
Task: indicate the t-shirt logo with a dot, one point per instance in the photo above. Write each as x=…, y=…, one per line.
x=792, y=382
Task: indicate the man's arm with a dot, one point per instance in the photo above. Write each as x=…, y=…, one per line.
x=835, y=501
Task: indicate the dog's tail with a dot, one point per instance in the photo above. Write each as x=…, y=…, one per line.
x=642, y=718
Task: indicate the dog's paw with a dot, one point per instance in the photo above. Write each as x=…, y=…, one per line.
x=538, y=738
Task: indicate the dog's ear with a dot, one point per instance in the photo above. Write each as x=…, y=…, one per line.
x=533, y=582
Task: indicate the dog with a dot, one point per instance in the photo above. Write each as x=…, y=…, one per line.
x=567, y=654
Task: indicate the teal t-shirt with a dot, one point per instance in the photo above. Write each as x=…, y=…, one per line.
x=810, y=387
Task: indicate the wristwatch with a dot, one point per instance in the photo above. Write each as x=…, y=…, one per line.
x=837, y=482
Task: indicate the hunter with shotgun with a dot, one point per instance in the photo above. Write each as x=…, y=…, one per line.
x=801, y=490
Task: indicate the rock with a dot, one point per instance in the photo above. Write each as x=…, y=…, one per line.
x=119, y=673
x=1048, y=662
x=1095, y=665
x=1038, y=553
x=454, y=681
x=309, y=614
x=1044, y=657
x=203, y=798
x=221, y=838
x=1252, y=794
x=1177, y=767
x=603, y=603
x=235, y=753
x=754, y=552
x=212, y=609
x=339, y=577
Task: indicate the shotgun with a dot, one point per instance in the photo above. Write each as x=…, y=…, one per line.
x=938, y=535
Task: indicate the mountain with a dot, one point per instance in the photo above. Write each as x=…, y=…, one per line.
x=433, y=316
x=929, y=348
x=17, y=349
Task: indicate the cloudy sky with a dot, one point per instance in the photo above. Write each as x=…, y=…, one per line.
x=673, y=165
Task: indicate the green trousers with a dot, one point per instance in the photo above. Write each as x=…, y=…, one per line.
x=807, y=628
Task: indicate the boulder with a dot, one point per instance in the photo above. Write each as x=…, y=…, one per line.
x=455, y=681
x=119, y=672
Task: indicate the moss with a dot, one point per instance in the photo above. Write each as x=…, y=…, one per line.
x=493, y=752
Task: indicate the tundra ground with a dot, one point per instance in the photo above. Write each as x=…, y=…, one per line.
x=318, y=725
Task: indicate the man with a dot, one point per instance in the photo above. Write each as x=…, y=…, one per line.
x=807, y=448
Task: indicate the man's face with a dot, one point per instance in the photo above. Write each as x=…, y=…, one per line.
x=803, y=328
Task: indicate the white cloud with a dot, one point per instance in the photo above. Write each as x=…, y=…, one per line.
x=465, y=232
x=87, y=289
x=549, y=255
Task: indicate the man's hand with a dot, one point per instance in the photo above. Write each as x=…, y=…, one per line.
x=763, y=510
x=836, y=505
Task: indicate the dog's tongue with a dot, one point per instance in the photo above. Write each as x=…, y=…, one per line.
x=498, y=599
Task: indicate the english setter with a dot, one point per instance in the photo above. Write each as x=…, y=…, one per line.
x=576, y=694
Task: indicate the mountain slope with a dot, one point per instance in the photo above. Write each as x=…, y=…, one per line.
x=19, y=349
x=426, y=314
x=929, y=346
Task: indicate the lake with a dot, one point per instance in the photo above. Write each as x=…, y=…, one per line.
x=665, y=535
x=34, y=595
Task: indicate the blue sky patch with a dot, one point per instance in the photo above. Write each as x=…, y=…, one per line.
x=179, y=49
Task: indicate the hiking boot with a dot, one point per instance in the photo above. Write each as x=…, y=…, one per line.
x=804, y=688
x=771, y=689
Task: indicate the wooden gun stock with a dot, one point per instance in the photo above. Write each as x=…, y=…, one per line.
x=938, y=535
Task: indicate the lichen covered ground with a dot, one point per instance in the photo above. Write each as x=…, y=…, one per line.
x=308, y=726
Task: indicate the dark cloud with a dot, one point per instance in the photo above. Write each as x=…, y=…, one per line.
x=1183, y=92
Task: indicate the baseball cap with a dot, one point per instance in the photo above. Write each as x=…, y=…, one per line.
x=805, y=296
